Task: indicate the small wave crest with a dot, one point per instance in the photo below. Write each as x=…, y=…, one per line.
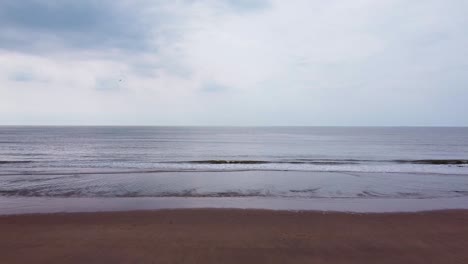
x=228, y=162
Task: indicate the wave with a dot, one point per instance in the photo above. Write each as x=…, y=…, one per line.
x=194, y=193
x=15, y=161
x=65, y=193
x=297, y=161
x=227, y=162
x=436, y=162
x=425, y=166
x=331, y=161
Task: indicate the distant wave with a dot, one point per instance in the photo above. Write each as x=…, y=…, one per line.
x=435, y=162
x=295, y=161
x=330, y=161
x=227, y=162
x=15, y=161
x=298, y=161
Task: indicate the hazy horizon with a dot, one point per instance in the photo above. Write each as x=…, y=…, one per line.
x=234, y=126
x=234, y=63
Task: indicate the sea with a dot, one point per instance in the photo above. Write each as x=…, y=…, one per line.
x=91, y=168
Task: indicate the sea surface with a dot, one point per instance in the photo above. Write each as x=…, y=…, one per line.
x=306, y=163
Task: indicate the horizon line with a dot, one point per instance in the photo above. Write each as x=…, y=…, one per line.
x=363, y=126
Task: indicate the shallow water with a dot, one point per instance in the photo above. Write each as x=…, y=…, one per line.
x=286, y=184
x=29, y=205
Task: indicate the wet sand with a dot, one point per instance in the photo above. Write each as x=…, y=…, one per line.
x=235, y=236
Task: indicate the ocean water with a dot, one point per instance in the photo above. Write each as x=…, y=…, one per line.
x=215, y=162
x=419, y=150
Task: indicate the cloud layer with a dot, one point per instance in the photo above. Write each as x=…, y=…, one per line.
x=207, y=62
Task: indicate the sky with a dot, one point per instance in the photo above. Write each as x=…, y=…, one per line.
x=228, y=62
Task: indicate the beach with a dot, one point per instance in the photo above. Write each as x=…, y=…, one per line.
x=233, y=195
x=235, y=236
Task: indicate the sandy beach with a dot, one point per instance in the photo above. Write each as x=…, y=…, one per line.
x=235, y=236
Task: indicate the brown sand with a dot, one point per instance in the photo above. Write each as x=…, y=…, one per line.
x=235, y=236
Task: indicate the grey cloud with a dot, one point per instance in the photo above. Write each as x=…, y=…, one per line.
x=38, y=25
x=109, y=84
x=248, y=5
x=21, y=77
x=213, y=87
x=30, y=25
x=236, y=5
x=25, y=76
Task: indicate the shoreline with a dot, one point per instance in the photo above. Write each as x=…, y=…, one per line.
x=31, y=205
x=274, y=211
x=235, y=236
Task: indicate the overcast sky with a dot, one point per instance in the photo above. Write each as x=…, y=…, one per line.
x=234, y=62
